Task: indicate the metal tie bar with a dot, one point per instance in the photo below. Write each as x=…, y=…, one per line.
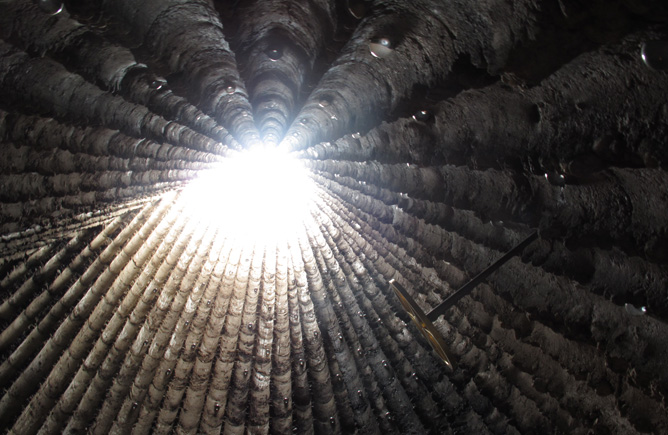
x=425, y=321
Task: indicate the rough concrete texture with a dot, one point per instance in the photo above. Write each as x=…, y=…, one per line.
x=470, y=124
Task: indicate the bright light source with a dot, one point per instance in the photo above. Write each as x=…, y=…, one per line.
x=254, y=195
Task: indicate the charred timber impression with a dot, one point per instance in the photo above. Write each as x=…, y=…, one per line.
x=112, y=66
x=277, y=57
x=199, y=51
x=437, y=134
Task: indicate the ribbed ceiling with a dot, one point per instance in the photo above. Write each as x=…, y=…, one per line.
x=437, y=134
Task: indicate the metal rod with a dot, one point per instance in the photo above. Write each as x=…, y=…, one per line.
x=469, y=286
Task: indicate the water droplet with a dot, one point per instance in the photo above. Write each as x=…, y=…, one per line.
x=555, y=179
x=632, y=310
x=274, y=52
x=52, y=7
x=157, y=84
x=381, y=47
x=655, y=54
x=356, y=135
x=422, y=116
x=324, y=102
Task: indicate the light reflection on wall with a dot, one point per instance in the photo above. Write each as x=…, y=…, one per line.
x=262, y=195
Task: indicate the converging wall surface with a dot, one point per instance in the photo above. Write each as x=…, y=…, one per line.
x=203, y=205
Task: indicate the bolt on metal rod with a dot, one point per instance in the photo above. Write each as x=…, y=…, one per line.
x=469, y=286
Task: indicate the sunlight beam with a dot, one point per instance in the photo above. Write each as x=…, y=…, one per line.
x=258, y=194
